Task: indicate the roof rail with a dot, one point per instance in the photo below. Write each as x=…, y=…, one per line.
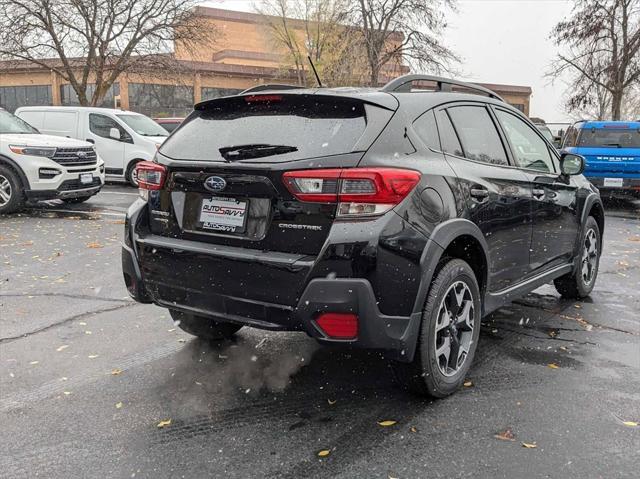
x=403, y=83
x=271, y=86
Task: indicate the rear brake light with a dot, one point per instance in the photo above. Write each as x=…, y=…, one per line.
x=339, y=325
x=359, y=191
x=151, y=176
x=262, y=98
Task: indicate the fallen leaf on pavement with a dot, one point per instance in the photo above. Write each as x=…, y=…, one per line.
x=630, y=423
x=529, y=445
x=62, y=348
x=118, y=405
x=164, y=423
x=182, y=340
x=468, y=384
x=92, y=356
x=413, y=429
x=324, y=453
x=332, y=402
x=386, y=423
x=634, y=238
x=506, y=435
x=34, y=362
x=553, y=366
x=66, y=393
x=116, y=371
x=94, y=245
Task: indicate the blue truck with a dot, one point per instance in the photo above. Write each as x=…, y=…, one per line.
x=612, y=153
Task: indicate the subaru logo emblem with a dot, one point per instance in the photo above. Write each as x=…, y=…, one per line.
x=215, y=183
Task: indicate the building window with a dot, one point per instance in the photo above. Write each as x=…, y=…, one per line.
x=160, y=101
x=13, y=97
x=208, y=93
x=69, y=97
x=518, y=106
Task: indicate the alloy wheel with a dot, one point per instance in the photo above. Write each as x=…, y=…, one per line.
x=5, y=191
x=589, y=256
x=454, y=328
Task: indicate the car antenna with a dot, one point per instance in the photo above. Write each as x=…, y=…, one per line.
x=315, y=72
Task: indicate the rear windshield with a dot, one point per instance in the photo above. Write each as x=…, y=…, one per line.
x=609, y=138
x=269, y=128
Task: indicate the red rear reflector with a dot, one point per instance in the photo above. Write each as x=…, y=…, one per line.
x=262, y=98
x=151, y=176
x=339, y=325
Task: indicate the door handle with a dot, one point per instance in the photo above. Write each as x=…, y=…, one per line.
x=89, y=140
x=538, y=193
x=479, y=193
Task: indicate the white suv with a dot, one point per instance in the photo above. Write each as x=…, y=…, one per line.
x=41, y=167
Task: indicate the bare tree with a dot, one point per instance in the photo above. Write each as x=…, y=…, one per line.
x=95, y=41
x=396, y=30
x=318, y=29
x=601, y=48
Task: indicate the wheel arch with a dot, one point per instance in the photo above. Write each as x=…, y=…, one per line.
x=5, y=160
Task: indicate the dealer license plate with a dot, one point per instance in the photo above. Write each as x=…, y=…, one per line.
x=223, y=214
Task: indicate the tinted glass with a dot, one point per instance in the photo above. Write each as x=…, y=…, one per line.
x=101, y=125
x=169, y=126
x=209, y=93
x=427, y=130
x=478, y=134
x=529, y=150
x=69, y=97
x=282, y=128
x=13, y=97
x=609, y=138
x=448, y=138
x=157, y=100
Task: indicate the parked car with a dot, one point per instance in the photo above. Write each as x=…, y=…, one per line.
x=392, y=219
x=122, y=138
x=42, y=167
x=169, y=124
x=612, y=153
x=546, y=132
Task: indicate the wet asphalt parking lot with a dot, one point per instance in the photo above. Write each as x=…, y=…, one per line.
x=87, y=375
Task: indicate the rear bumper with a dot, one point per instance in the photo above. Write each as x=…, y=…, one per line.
x=186, y=276
x=375, y=330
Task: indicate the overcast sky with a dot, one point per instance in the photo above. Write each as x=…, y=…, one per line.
x=499, y=41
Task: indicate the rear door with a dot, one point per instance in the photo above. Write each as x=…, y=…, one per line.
x=60, y=123
x=498, y=196
x=231, y=155
x=225, y=189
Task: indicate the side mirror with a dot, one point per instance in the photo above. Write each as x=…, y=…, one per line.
x=114, y=133
x=571, y=164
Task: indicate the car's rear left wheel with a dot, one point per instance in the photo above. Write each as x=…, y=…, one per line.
x=449, y=333
x=203, y=327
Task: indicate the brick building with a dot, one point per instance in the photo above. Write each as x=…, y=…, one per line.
x=242, y=56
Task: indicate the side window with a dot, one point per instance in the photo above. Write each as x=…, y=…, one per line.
x=529, y=150
x=570, y=137
x=448, y=138
x=101, y=125
x=478, y=135
x=425, y=127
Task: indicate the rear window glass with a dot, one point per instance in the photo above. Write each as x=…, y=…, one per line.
x=609, y=138
x=269, y=128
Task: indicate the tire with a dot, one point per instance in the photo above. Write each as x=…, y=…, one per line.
x=429, y=374
x=203, y=327
x=74, y=201
x=130, y=174
x=580, y=283
x=11, y=193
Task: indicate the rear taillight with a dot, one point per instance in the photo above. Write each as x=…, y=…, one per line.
x=151, y=176
x=358, y=191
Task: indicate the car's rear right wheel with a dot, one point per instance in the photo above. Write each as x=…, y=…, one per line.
x=449, y=333
x=203, y=327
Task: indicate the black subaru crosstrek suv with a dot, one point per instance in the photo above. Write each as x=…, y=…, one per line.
x=391, y=219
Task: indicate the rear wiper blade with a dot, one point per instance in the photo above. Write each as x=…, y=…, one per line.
x=617, y=145
x=254, y=150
